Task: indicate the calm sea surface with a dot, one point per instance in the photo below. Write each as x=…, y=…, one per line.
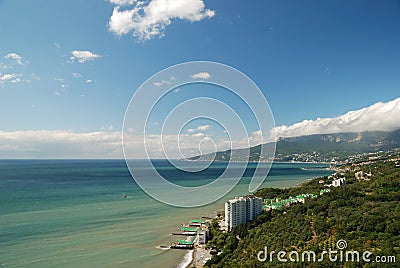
x=69, y=213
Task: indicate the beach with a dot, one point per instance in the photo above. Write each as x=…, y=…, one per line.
x=200, y=257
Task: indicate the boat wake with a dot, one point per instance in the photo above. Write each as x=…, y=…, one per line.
x=164, y=247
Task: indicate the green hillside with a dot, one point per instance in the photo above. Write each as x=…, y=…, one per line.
x=365, y=213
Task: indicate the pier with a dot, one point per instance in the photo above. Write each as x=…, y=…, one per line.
x=195, y=232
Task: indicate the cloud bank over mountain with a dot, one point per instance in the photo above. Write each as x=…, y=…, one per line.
x=383, y=116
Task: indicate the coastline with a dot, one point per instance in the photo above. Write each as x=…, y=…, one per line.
x=266, y=162
x=199, y=254
x=360, y=184
x=199, y=257
x=187, y=259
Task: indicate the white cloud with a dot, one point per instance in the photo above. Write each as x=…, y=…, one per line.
x=203, y=127
x=201, y=75
x=122, y=2
x=12, y=78
x=105, y=143
x=77, y=75
x=83, y=56
x=257, y=133
x=256, y=138
x=57, y=45
x=67, y=144
x=148, y=20
x=60, y=144
x=98, y=144
x=198, y=135
x=89, y=81
x=199, y=128
x=17, y=78
x=174, y=146
x=163, y=82
x=14, y=56
x=383, y=116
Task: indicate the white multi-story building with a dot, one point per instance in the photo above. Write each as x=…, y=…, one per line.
x=241, y=210
x=339, y=182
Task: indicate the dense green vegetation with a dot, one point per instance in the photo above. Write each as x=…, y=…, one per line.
x=365, y=213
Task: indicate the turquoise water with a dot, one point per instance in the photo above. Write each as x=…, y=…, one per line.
x=69, y=213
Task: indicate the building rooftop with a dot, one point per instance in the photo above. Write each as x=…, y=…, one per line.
x=197, y=221
x=189, y=229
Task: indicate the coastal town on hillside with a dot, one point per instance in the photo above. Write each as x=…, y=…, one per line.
x=243, y=209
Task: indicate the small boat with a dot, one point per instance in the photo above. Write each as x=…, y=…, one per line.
x=124, y=195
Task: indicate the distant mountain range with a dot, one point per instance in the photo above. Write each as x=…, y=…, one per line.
x=316, y=148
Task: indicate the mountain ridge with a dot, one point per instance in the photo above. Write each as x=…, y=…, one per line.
x=314, y=148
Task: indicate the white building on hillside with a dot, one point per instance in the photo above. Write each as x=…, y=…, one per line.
x=241, y=210
x=339, y=182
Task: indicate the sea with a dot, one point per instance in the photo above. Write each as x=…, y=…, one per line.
x=70, y=213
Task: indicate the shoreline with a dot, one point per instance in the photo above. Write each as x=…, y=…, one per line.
x=199, y=254
x=263, y=162
x=195, y=256
x=187, y=259
x=199, y=257
x=192, y=262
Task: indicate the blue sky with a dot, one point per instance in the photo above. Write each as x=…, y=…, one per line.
x=311, y=59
